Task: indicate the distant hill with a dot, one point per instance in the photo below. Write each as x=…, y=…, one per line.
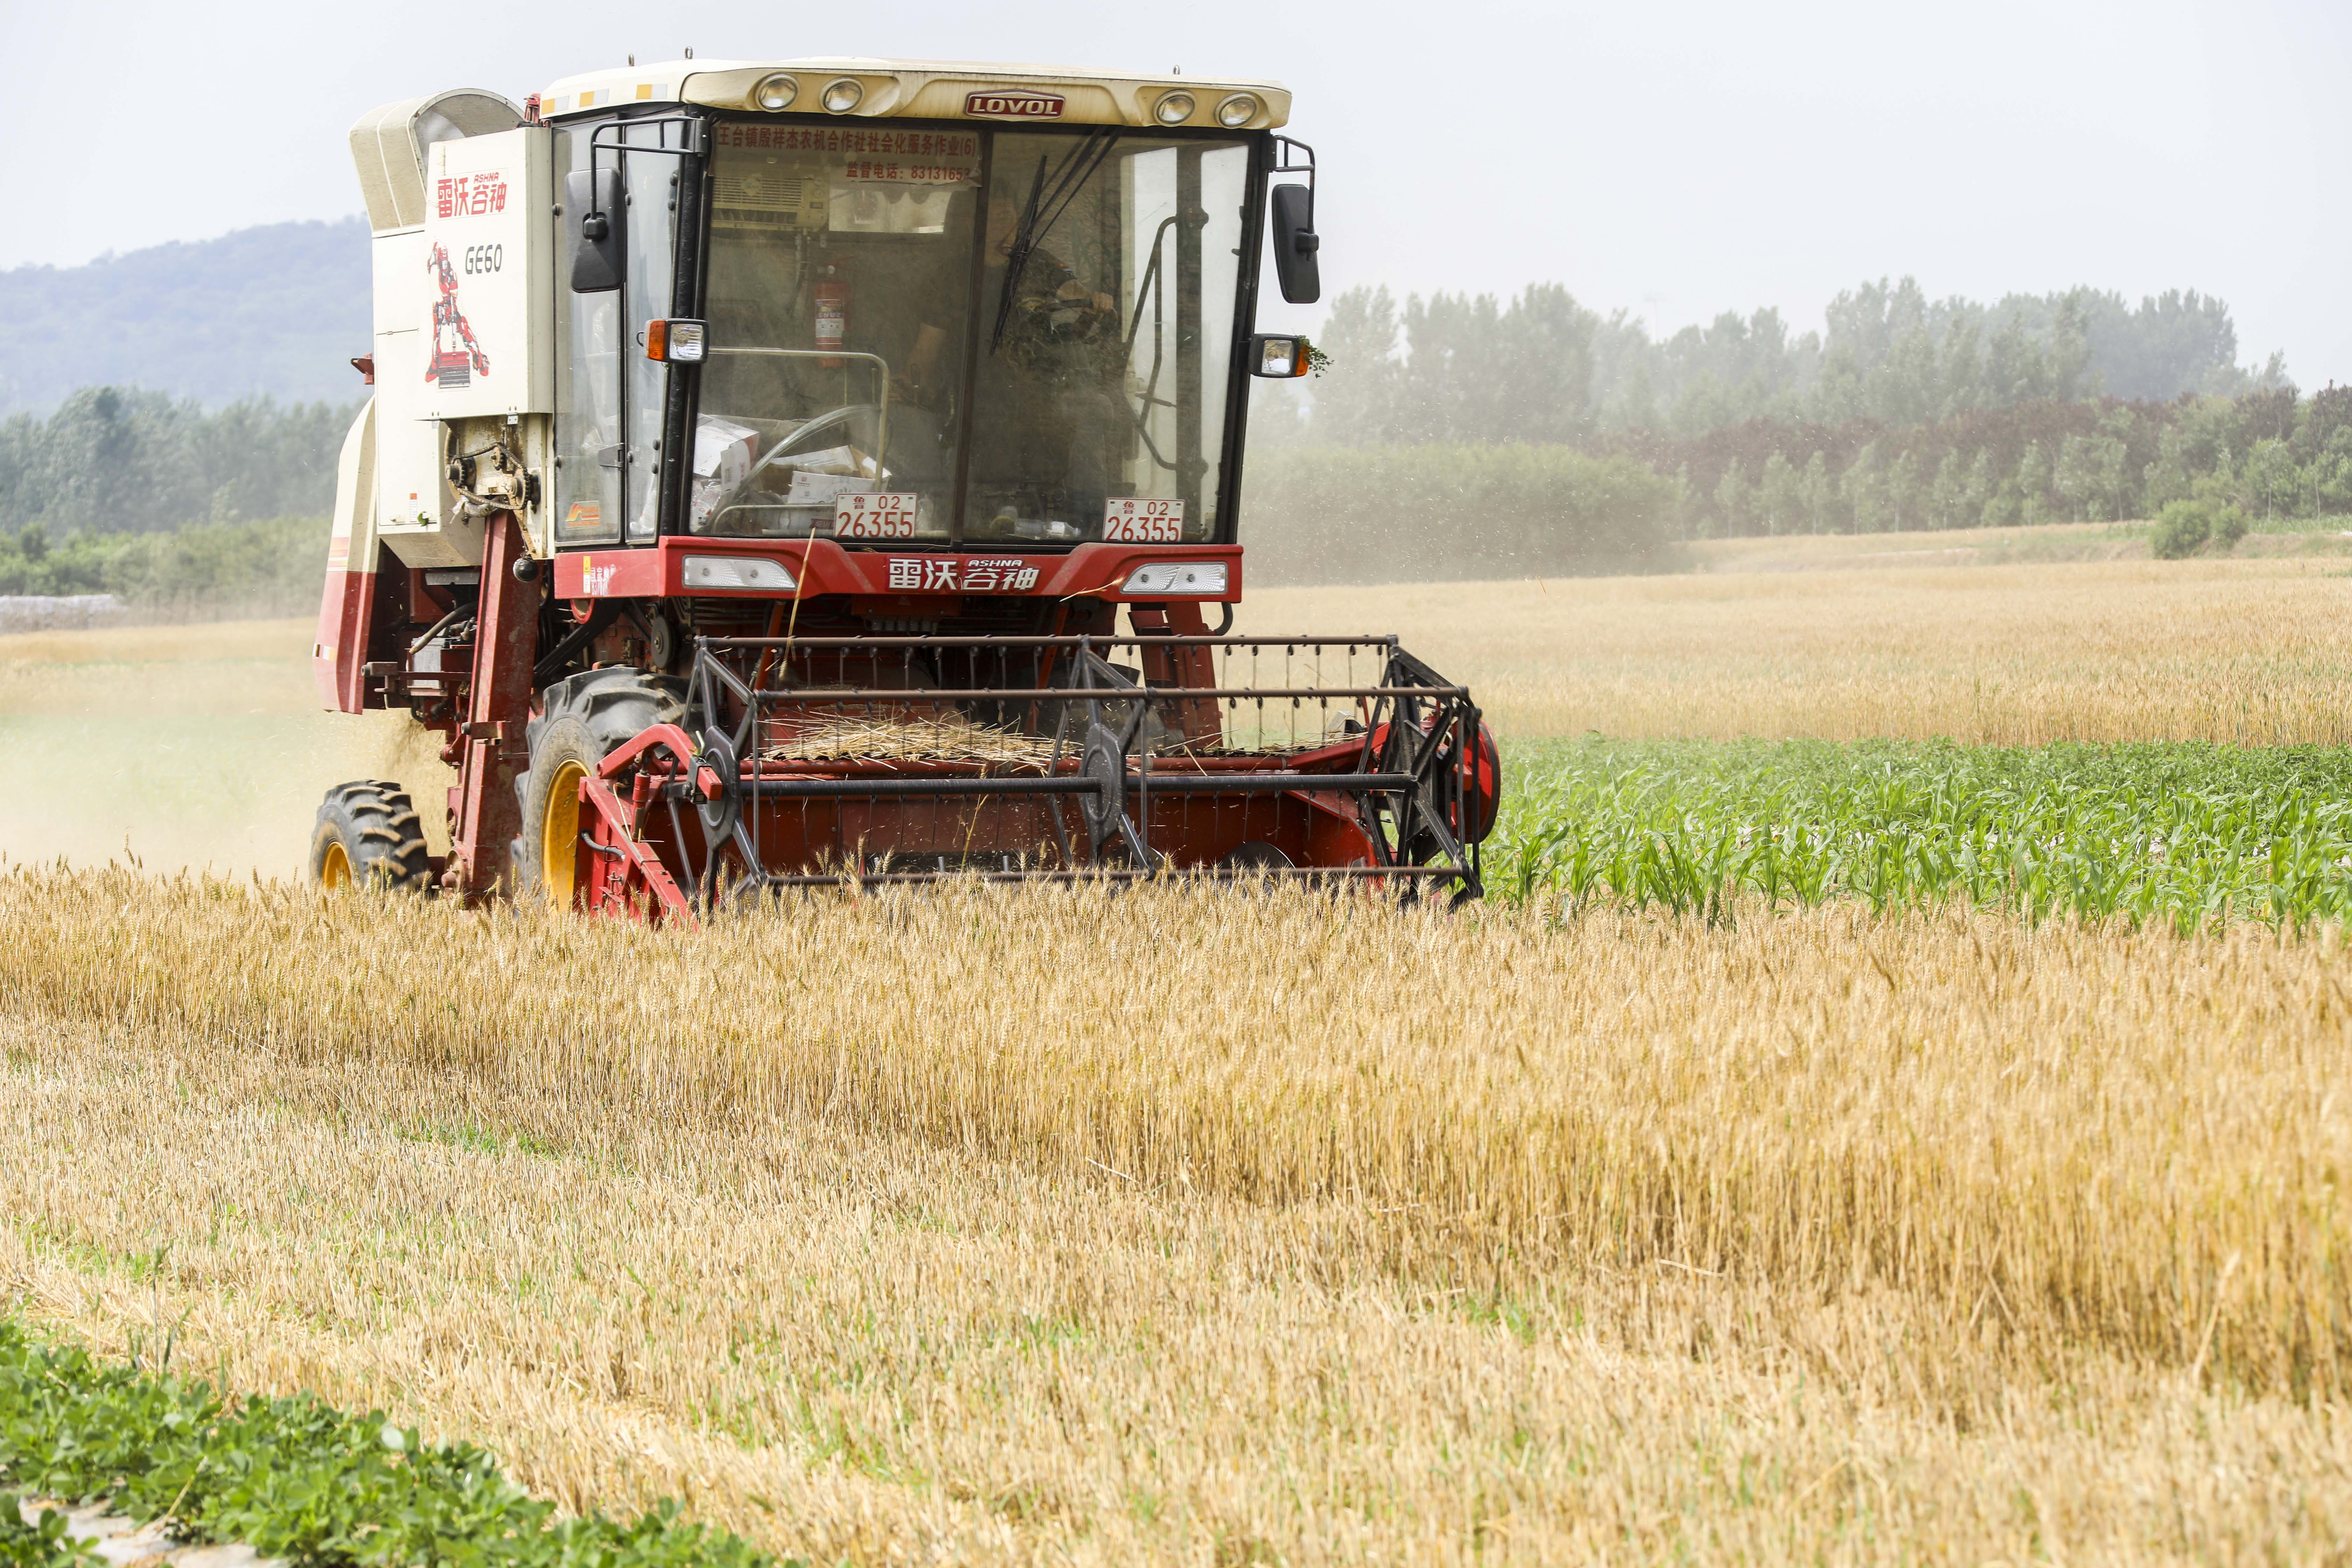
x=277, y=310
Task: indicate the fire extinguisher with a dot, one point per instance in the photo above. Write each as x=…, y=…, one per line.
x=832, y=294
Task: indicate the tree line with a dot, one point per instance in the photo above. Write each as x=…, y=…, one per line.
x=1542, y=368
x=2272, y=453
x=271, y=567
x=114, y=459
x=1903, y=413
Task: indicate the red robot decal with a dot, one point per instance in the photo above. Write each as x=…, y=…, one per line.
x=456, y=357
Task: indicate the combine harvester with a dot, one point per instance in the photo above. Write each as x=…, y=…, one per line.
x=762, y=457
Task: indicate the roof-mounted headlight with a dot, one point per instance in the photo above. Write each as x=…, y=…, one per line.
x=1173, y=107
x=1237, y=112
x=777, y=91
x=841, y=97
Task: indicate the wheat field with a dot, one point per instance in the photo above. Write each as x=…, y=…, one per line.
x=909, y=1228
x=1053, y=1227
x=2248, y=652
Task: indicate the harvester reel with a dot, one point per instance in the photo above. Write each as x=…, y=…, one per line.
x=1104, y=764
x=719, y=813
x=1103, y=759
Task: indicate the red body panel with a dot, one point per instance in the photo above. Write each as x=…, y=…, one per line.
x=488, y=814
x=636, y=862
x=823, y=566
x=338, y=658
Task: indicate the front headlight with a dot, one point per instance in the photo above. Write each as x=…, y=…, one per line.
x=776, y=93
x=841, y=97
x=1176, y=577
x=1236, y=111
x=737, y=572
x=1173, y=109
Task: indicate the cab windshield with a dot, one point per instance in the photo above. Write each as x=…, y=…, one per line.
x=962, y=334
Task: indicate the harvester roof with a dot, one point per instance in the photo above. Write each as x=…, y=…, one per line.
x=856, y=87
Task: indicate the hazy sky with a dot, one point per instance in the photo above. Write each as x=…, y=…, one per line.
x=1672, y=158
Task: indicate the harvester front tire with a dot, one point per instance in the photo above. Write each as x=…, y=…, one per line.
x=581, y=720
x=369, y=835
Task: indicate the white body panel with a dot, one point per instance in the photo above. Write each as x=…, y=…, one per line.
x=355, y=516
x=393, y=487
x=931, y=90
x=414, y=511
x=482, y=294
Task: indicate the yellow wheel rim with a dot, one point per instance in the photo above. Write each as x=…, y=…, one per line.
x=558, y=833
x=335, y=868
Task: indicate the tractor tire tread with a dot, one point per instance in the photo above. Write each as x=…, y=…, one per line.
x=614, y=706
x=380, y=834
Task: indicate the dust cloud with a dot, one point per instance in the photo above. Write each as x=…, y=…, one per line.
x=186, y=748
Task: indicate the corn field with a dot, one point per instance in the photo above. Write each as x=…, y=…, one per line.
x=2183, y=835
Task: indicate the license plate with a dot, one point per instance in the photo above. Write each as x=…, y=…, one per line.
x=1143, y=520
x=889, y=514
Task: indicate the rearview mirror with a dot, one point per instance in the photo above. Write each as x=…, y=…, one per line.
x=599, y=218
x=1295, y=245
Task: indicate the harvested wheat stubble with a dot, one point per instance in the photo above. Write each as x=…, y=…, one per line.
x=878, y=1232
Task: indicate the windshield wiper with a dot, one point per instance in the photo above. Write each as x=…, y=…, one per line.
x=1043, y=210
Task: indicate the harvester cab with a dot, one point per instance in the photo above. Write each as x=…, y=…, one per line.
x=810, y=471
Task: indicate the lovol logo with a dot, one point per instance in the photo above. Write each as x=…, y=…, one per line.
x=1015, y=105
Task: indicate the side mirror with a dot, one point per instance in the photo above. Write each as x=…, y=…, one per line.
x=1280, y=358
x=598, y=213
x=1295, y=245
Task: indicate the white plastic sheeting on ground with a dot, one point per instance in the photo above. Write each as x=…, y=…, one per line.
x=51, y=612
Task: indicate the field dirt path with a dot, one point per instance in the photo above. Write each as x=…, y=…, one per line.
x=128, y=1543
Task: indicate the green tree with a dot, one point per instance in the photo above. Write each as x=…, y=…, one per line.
x=1838, y=393
x=1819, y=493
x=1735, y=502
x=2272, y=477
x=2166, y=477
x=1906, y=389
x=2014, y=369
x=1977, y=490
x=1356, y=405
x=1781, y=496
x=1637, y=405
x=1906, y=495
x=1690, y=516
x=1963, y=368
x=1703, y=406
x=1947, y=493
x=2006, y=508
x=2032, y=485
x=2090, y=476
x=1863, y=486
x=2067, y=359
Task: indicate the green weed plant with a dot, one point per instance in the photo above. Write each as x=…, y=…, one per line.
x=293, y=1477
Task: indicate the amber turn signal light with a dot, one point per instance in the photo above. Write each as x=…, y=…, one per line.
x=674, y=342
